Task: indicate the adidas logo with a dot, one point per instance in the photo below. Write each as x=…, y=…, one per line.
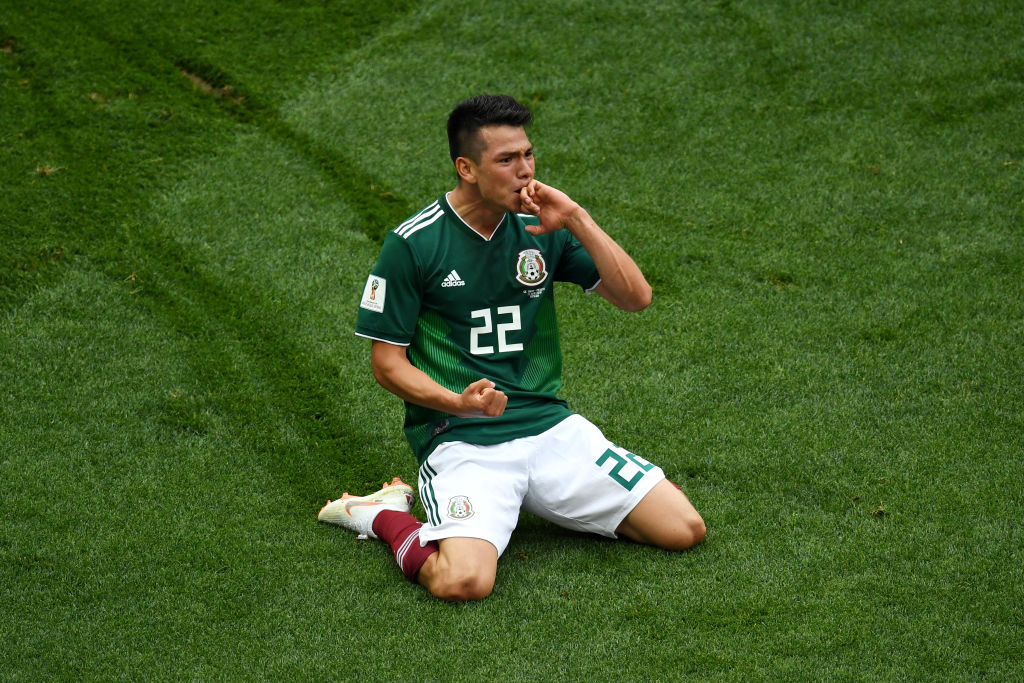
x=453, y=280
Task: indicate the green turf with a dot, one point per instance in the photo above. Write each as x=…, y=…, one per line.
x=827, y=198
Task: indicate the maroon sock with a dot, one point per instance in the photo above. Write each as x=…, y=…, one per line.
x=401, y=531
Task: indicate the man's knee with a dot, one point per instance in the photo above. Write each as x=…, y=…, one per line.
x=462, y=588
x=665, y=518
x=690, y=531
x=463, y=570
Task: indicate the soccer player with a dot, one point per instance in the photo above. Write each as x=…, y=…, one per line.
x=461, y=313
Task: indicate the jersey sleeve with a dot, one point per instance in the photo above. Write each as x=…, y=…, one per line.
x=390, y=305
x=575, y=265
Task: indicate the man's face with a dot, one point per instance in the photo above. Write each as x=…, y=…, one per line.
x=506, y=165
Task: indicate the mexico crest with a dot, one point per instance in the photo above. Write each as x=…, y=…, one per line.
x=530, y=268
x=460, y=508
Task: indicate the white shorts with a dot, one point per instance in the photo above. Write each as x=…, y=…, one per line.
x=570, y=475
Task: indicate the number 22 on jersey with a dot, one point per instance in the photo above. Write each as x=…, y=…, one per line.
x=482, y=336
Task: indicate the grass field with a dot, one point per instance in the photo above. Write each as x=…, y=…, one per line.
x=828, y=199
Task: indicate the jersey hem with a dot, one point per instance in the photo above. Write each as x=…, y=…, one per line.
x=457, y=435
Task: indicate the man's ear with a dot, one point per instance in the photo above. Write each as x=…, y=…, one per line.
x=466, y=169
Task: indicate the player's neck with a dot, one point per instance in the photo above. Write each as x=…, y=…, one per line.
x=477, y=212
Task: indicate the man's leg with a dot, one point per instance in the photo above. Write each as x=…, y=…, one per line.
x=455, y=568
x=463, y=569
x=472, y=496
x=664, y=518
x=580, y=480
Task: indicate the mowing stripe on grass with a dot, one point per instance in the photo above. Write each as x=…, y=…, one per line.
x=378, y=207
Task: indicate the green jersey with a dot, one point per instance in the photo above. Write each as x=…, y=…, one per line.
x=469, y=308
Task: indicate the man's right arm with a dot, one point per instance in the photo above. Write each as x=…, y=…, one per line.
x=395, y=373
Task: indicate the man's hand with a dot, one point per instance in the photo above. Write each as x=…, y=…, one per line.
x=621, y=282
x=481, y=399
x=552, y=206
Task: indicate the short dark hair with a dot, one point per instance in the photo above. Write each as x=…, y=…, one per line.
x=471, y=115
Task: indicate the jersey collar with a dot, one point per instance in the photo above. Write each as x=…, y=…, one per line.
x=452, y=212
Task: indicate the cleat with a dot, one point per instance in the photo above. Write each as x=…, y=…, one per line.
x=358, y=512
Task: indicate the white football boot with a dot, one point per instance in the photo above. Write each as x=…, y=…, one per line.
x=358, y=512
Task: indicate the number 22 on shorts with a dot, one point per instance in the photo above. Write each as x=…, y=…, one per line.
x=620, y=460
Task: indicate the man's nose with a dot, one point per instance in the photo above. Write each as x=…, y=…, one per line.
x=524, y=170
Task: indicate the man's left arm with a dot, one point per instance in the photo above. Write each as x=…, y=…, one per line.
x=622, y=282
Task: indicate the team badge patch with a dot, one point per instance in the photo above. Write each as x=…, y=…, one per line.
x=459, y=507
x=530, y=268
x=373, y=294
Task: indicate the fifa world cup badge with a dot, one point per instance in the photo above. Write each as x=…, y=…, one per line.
x=374, y=294
x=530, y=268
x=459, y=507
